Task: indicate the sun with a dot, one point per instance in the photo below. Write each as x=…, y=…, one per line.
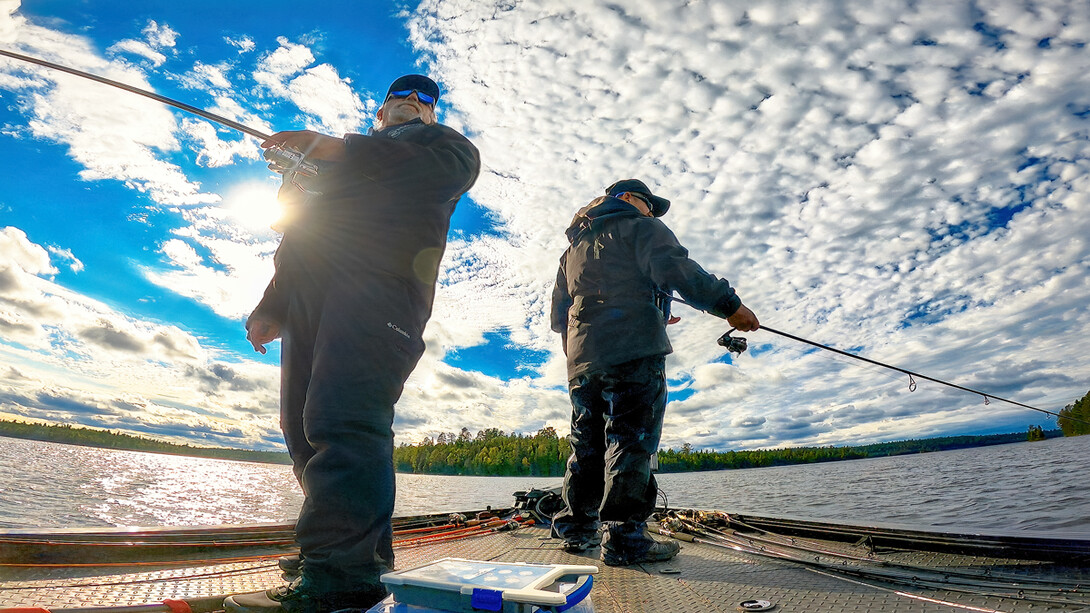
x=253, y=205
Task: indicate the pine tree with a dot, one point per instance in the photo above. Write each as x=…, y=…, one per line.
x=1075, y=418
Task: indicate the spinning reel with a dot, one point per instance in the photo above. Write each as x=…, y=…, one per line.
x=292, y=164
x=736, y=345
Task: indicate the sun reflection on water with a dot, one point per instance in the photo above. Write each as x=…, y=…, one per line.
x=162, y=490
x=50, y=485
x=46, y=485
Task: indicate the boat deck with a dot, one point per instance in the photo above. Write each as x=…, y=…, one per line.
x=825, y=576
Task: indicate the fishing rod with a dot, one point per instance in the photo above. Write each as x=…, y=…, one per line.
x=911, y=375
x=737, y=345
x=283, y=160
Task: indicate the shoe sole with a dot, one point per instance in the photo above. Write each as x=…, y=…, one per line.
x=579, y=548
x=618, y=561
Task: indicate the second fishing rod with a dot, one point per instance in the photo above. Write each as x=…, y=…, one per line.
x=737, y=345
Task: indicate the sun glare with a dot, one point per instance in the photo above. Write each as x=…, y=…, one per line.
x=253, y=205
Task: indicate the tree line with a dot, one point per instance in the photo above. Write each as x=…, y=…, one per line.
x=544, y=454
x=493, y=452
x=1075, y=418
x=688, y=459
x=108, y=439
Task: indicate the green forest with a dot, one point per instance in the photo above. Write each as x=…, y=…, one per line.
x=493, y=452
x=107, y=439
x=1075, y=418
x=544, y=454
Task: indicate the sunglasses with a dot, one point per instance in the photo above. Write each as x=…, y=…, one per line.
x=645, y=200
x=405, y=93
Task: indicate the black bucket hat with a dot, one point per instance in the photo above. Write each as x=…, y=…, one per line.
x=418, y=82
x=659, y=205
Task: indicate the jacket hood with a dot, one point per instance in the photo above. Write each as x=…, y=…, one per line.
x=601, y=207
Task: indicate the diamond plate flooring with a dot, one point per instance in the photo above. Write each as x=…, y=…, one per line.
x=703, y=578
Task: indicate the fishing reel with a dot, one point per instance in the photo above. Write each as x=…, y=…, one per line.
x=285, y=160
x=292, y=164
x=736, y=345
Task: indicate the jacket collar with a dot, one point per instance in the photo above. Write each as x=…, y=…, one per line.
x=395, y=131
x=602, y=207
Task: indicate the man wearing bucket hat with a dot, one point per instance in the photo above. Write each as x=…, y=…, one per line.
x=352, y=290
x=611, y=306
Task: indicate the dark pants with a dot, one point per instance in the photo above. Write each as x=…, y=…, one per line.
x=343, y=369
x=616, y=424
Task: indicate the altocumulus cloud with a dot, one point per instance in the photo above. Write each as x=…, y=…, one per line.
x=904, y=179
x=123, y=373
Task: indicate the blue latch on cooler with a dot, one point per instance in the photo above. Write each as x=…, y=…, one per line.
x=487, y=600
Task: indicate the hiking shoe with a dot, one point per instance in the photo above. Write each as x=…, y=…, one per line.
x=658, y=552
x=283, y=599
x=290, y=567
x=581, y=544
x=295, y=598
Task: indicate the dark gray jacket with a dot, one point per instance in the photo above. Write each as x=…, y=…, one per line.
x=604, y=301
x=383, y=214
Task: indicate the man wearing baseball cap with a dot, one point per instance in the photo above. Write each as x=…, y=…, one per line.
x=611, y=307
x=353, y=287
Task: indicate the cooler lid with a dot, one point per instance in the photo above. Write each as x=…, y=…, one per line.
x=518, y=581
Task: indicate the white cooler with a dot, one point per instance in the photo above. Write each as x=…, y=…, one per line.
x=453, y=584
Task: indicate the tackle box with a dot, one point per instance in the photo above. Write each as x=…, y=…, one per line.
x=470, y=586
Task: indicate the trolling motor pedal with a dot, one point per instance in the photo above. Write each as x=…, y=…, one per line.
x=736, y=345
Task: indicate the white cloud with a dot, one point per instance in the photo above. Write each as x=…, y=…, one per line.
x=244, y=44
x=140, y=48
x=9, y=21
x=73, y=359
x=113, y=137
x=17, y=249
x=214, y=75
x=316, y=90
x=889, y=178
x=66, y=254
x=232, y=276
x=842, y=164
x=160, y=36
x=156, y=37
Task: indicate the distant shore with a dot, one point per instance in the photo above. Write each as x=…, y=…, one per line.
x=520, y=457
x=106, y=439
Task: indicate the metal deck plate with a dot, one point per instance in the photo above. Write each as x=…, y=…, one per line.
x=703, y=578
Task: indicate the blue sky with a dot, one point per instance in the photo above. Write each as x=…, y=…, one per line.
x=903, y=179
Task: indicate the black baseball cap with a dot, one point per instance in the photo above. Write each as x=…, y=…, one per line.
x=418, y=82
x=659, y=205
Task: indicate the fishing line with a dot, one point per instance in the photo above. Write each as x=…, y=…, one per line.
x=912, y=376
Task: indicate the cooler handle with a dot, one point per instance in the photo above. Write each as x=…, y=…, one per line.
x=578, y=594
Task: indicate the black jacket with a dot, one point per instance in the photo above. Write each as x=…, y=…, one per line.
x=604, y=301
x=384, y=211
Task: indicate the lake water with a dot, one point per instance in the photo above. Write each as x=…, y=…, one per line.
x=1035, y=487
